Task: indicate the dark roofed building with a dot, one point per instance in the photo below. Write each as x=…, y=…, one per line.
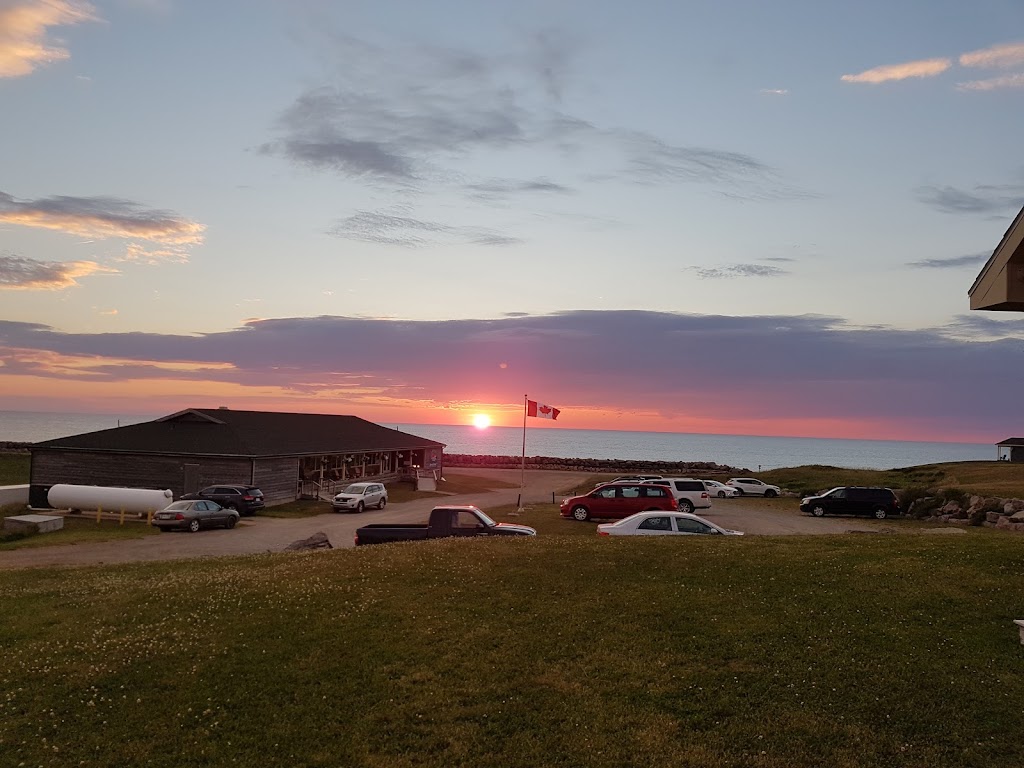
x=1000, y=284
x=288, y=455
x=1011, y=449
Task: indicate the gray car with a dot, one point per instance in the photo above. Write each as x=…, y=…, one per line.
x=193, y=514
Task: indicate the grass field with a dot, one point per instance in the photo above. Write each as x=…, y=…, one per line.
x=560, y=651
x=78, y=529
x=14, y=468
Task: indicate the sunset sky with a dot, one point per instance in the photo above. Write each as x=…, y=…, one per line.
x=727, y=217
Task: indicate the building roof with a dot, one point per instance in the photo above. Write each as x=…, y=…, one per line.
x=999, y=284
x=1011, y=441
x=224, y=432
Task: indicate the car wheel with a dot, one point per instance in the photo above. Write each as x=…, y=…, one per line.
x=231, y=521
x=360, y=507
x=580, y=513
x=193, y=525
x=382, y=503
x=685, y=505
x=880, y=513
x=770, y=494
x=721, y=494
x=818, y=511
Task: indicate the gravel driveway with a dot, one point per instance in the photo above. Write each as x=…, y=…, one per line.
x=266, y=534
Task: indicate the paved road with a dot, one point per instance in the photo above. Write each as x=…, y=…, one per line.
x=266, y=534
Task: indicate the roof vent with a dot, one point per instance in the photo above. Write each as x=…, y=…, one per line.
x=223, y=408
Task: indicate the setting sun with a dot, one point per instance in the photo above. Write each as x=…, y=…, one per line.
x=481, y=421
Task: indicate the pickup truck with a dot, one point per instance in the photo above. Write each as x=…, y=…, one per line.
x=444, y=522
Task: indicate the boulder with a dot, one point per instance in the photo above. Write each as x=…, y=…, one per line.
x=993, y=517
x=976, y=501
x=318, y=540
x=950, y=508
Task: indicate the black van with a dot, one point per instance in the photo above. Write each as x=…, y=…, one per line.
x=853, y=500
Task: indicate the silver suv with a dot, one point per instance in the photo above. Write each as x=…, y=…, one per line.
x=690, y=494
x=359, y=496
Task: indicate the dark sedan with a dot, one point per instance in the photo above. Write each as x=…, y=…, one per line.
x=193, y=514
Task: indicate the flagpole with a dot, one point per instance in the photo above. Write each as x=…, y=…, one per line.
x=522, y=477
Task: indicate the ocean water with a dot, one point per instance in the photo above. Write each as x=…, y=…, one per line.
x=741, y=451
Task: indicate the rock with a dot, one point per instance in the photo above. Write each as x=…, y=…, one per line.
x=993, y=517
x=318, y=540
x=976, y=501
x=950, y=508
x=1017, y=517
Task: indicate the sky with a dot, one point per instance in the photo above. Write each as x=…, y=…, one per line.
x=724, y=217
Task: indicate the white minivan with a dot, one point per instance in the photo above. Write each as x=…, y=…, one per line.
x=690, y=494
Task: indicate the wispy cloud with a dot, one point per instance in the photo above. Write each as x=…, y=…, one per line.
x=20, y=273
x=419, y=117
x=909, y=69
x=501, y=188
x=951, y=262
x=774, y=91
x=136, y=253
x=998, y=56
x=394, y=228
x=740, y=270
x=980, y=199
x=101, y=217
x=24, y=25
x=993, y=83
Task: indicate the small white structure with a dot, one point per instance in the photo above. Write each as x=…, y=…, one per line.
x=34, y=523
x=13, y=494
x=1020, y=625
x=93, y=497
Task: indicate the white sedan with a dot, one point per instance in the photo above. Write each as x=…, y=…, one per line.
x=720, y=490
x=754, y=487
x=664, y=524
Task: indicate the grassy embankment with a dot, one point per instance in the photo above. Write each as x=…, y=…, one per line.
x=791, y=651
x=13, y=468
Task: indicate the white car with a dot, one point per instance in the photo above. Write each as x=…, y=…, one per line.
x=664, y=524
x=754, y=487
x=359, y=496
x=720, y=490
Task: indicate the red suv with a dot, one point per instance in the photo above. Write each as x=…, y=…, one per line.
x=617, y=500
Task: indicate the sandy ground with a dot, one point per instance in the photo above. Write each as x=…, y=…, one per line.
x=265, y=534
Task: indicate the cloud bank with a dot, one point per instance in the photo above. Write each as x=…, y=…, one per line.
x=745, y=375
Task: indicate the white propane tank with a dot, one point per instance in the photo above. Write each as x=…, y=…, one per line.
x=92, y=497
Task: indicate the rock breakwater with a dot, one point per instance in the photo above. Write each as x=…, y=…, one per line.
x=704, y=469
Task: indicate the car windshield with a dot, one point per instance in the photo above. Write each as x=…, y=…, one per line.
x=356, y=488
x=483, y=516
x=832, y=492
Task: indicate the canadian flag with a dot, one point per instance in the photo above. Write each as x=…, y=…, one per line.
x=541, y=411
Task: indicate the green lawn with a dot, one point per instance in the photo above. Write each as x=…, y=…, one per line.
x=77, y=529
x=14, y=468
x=558, y=651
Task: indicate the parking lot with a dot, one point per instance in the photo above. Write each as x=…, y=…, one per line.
x=759, y=517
